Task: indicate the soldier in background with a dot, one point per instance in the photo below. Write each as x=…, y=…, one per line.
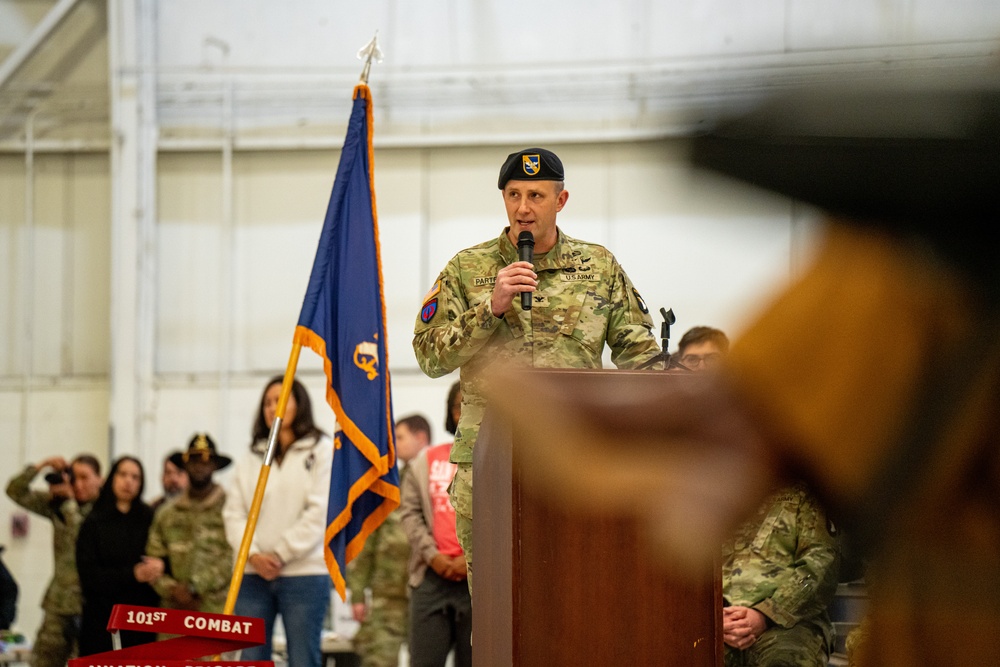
x=779, y=568
x=472, y=317
x=189, y=538
x=779, y=575
x=377, y=578
x=702, y=348
x=875, y=375
x=73, y=488
x=173, y=478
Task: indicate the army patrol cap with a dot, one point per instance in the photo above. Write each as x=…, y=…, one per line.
x=531, y=164
x=201, y=445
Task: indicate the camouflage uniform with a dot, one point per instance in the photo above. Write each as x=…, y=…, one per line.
x=583, y=301
x=382, y=567
x=56, y=641
x=784, y=563
x=189, y=535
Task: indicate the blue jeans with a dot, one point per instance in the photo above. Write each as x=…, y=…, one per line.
x=302, y=603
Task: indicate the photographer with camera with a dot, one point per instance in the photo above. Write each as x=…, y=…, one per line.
x=73, y=488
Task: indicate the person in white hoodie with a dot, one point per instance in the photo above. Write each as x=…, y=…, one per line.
x=286, y=573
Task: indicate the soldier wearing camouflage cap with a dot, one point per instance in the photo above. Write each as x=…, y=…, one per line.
x=189, y=537
x=472, y=318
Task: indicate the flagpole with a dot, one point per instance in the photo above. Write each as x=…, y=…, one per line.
x=368, y=53
x=265, y=470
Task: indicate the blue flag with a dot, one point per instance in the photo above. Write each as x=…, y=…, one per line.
x=343, y=321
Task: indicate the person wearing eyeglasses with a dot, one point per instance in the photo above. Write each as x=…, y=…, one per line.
x=702, y=348
x=188, y=539
x=780, y=567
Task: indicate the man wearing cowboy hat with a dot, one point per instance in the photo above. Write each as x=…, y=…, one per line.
x=187, y=543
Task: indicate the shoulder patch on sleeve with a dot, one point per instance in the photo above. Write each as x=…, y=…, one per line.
x=642, y=304
x=435, y=288
x=428, y=311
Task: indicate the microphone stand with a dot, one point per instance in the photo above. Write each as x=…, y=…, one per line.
x=669, y=363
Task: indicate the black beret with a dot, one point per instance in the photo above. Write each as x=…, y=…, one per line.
x=531, y=164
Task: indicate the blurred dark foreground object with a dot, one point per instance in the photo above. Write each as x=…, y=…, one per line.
x=916, y=159
x=8, y=595
x=875, y=377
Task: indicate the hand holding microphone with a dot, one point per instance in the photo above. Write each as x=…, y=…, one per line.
x=512, y=278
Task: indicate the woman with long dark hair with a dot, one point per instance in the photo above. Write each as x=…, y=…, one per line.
x=286, y=573
x=110, y=545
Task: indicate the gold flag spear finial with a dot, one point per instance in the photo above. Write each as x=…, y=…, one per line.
x=367, y=52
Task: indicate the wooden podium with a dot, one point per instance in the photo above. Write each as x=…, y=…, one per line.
x=557, y=587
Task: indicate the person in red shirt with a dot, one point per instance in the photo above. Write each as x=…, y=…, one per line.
x=440, y=602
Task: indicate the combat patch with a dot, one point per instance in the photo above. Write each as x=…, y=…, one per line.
x=642, y=304
x=428, y=311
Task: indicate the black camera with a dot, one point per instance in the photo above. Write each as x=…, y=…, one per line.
x=56, y=476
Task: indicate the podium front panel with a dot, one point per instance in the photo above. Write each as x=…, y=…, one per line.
x=557, y=586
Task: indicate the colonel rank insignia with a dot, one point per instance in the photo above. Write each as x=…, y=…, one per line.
x=531, y=164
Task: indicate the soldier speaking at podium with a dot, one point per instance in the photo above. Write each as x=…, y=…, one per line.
x=874, y=377
x=473, y=317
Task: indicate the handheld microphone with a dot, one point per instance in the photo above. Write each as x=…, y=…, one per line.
x=526, y=253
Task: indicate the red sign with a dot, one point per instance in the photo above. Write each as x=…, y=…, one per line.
x=90, y=661
x=201, y=635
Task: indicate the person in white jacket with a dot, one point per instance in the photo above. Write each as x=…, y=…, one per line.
x=286, y=573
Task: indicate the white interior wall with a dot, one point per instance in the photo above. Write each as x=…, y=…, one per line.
x=707, y=249
x=608, y=86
